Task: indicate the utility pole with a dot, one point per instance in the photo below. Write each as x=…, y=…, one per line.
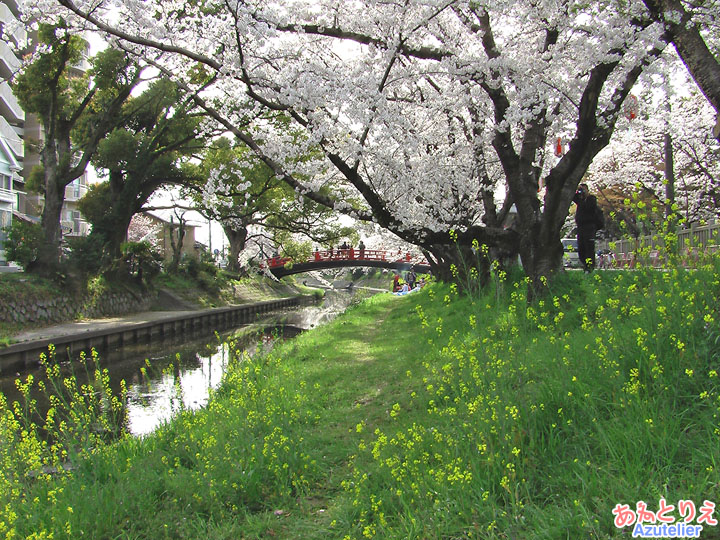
x=210, y=236
x=668, y=157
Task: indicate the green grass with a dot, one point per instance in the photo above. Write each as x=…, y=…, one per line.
x=22, y=285
x=27, y=287
x=428, y=416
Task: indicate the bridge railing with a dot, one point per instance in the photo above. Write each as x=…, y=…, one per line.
x=351, y=254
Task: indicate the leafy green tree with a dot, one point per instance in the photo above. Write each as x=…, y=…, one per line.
x=253, y=205
x=22, y=242
x=76, y=110
x=160, y=133
x=143, y=264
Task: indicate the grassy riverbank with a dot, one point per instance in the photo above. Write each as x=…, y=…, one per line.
x=427, y=416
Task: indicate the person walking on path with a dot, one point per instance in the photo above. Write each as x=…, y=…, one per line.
x=589, y=220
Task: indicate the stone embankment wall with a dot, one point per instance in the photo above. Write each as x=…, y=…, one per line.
x=65, y=308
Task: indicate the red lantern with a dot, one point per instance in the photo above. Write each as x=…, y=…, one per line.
x=630, y=107
x=559, y=147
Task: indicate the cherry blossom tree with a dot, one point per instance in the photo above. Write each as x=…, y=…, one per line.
x=666, y=155
x=143, y=228
x=694, y=29
x=436, y=115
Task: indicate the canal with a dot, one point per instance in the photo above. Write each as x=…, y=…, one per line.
x=166, y=376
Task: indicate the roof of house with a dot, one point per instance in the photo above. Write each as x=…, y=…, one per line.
x=162, y=219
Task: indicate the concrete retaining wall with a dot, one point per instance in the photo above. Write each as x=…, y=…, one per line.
x=25, y=355
x=66, y=308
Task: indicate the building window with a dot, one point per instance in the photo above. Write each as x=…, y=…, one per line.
x=5, y=182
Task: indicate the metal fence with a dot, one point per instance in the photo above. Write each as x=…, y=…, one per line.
x=693, y=244
x=697, y=238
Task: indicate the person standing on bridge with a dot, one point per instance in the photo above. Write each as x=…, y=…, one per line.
x=361, y=248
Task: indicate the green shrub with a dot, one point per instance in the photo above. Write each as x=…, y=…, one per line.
x=86, y=254
x=204, y=273
x=143, y=263
x=194, y=267
x=23, y=242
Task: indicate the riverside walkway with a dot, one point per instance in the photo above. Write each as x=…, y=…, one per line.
x=72, y=337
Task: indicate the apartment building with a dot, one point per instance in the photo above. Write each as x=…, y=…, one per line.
x=12, y=122
x=20, y=133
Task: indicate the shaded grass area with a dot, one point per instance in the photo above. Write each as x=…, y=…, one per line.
x=225, y=289
x=428, y=416
x=26, y=286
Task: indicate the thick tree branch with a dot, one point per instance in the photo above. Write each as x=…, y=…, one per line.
x=690, y=45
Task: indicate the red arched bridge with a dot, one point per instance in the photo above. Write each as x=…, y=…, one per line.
x=339, y=258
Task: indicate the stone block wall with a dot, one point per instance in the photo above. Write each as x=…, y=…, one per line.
x=65, y=308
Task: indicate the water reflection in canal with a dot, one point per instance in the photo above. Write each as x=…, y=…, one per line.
x=181, y=376
x=182, y=372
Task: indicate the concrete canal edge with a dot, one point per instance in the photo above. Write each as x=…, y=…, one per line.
x=25, y=355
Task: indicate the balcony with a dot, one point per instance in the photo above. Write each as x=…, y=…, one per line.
x=76, y=227
x=9, y=63
x=7, y=15
x=12, y=139
x=9, y=106
x=13, y=6
x=7, y=196
x=75, y=192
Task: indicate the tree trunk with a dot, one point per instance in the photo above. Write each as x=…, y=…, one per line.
x=55, y=158
x=114, y=237
x=48, y=258
x=539, y=230
x=176, y=243
x=460, y=263
x=691, y=47
x=237, y=239
x=541, y=257
x=111, y=228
